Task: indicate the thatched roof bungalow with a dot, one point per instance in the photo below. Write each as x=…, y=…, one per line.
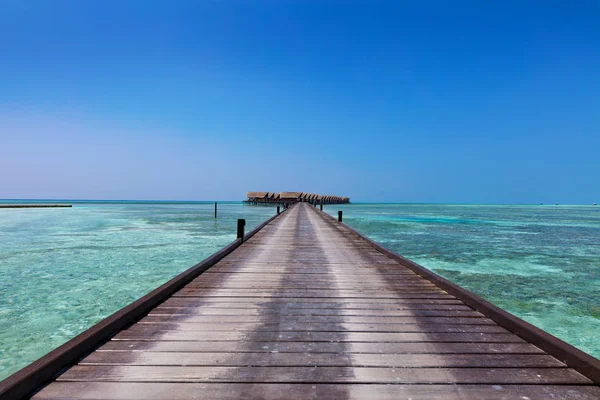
x=293, y=197
x=290, y=196
x=257, y=195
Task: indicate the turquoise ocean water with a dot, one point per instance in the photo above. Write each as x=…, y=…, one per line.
x=62, y=270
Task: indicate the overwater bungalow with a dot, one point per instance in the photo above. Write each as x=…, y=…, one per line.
x=257, y=197
x=289, y=197
x=293, y=197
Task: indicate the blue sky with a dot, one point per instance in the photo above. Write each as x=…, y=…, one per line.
x=433, y=101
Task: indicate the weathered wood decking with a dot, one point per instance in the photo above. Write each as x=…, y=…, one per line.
x=307, y=309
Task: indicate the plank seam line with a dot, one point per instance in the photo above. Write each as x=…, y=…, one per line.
x=254, y=365
x=332, y=382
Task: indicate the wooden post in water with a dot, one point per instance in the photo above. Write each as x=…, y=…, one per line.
x=240, y=228
x=215, y=209
x=321, y=205
x=277, y=210
x=339, y=216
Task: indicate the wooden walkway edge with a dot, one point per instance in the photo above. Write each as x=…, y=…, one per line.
x=307, y=308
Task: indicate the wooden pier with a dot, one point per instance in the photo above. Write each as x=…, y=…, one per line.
x=306, y=308
x=288, y=198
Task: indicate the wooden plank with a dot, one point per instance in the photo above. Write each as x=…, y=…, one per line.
x=311, y=286
x=325, y=305
x=312, y=269
x=274, y=391
x=300, y=292
x=321, y=266
x=317, y=265
x=350, y=275
x=289, y=312
x=322, y=347
x=309, y=278
x=266, y=312
x=309, y=310
x=308, y=246
x=274, y=257
x=308, y=284
x=355, y=261
x=138, y=332
x=279, y=279
x=501, y=376
x=322, y=360
x=316, y=303
x=328, y=318
x=314, y=294
x=319, y=327
x=326, y=286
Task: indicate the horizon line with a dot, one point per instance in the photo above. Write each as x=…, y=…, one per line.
x=241, y=201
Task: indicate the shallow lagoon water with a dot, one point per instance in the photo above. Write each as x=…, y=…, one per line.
x=541, y=263
x=64, y=269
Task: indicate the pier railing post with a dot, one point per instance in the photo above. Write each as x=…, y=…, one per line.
x=277, y=210
x=215, y=209
x=339, y=216
x=240, y=228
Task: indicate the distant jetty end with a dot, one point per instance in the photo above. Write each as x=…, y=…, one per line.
x=293, y=197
